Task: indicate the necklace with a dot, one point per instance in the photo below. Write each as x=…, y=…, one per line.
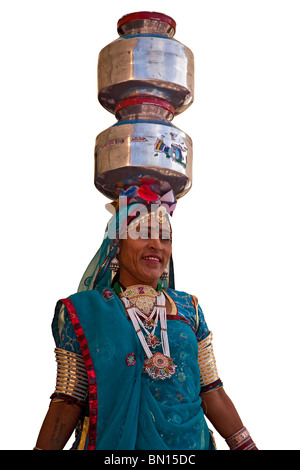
x=147, y=322
x=158, y=365
x=143, y=297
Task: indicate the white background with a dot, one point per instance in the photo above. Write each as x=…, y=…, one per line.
x=236, y=233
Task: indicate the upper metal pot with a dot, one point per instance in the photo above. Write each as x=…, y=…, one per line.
x=146, y=60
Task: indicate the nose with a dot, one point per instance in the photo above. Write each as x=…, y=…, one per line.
x=155, y=243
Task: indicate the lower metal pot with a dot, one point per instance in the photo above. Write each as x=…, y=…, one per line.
x=131, y=151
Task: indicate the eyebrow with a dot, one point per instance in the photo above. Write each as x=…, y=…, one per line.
x=164, y=233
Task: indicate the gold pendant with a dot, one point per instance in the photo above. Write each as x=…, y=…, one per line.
x=149, y=323
x=152, y=340
x=159, y=366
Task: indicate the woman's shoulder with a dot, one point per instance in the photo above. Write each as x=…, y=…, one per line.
x=105, y=292
x=187, y=305
x=181, y=296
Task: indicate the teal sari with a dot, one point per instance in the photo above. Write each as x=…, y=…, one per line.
x=127, y=408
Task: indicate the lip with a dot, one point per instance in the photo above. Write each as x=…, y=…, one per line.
x=155, y=259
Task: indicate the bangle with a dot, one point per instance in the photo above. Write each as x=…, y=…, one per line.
x=207, y=363
x=71, y=379
x=241, y=440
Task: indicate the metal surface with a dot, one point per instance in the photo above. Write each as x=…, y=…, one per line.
x=146, y=63
x=130, y=151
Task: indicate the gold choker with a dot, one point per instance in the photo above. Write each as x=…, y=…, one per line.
x=141, y=296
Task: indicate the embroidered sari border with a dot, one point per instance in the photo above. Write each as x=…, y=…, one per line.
x=195, y=302
x=93, y=400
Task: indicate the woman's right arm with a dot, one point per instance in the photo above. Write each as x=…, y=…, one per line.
x=69, y=398
x=58, y=425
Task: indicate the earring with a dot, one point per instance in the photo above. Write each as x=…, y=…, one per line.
x=165, y=275
x=114, y=264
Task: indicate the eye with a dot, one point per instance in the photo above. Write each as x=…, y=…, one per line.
x=165, y=236
x=144, y=233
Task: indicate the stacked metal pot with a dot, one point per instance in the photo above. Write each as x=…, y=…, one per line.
x=145, y=78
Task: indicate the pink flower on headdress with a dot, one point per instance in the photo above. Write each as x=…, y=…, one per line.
x=144, y=192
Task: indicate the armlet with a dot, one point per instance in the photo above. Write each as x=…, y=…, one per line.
x=71, y=379
x=209, y=377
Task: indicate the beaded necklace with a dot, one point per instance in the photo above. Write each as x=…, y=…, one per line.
x=158, y=365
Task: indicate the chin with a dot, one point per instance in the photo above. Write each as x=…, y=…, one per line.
x=150, y=278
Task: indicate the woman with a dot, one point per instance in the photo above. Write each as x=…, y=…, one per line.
x=136, y=368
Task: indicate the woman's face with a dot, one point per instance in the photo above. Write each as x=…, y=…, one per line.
x=145, y=253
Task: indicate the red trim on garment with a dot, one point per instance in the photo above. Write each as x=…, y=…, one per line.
x=93, y=398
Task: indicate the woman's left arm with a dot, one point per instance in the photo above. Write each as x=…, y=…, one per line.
x=222, y=414
x=216, y=404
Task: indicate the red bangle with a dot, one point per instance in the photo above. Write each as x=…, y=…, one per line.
x=241, y=440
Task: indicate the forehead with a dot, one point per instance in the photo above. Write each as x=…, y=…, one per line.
x=150, y=228
x=155, y=226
